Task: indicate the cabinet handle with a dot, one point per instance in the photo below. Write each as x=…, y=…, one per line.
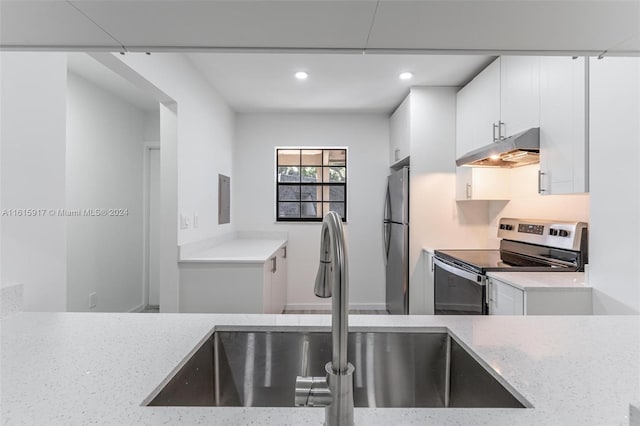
x=284, y=252
x=274, y=265
x=540, y=189
x=433, y=266
x=469, y=191
x=495, y=126
x=500, y=135
x=397, y=154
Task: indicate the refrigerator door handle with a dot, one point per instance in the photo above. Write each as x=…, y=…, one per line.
x=385, y=235
x=387, y=205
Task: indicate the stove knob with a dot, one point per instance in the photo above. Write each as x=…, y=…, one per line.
x=509, y=227
x=503, y=226
x=563, y=233
x=553, y=231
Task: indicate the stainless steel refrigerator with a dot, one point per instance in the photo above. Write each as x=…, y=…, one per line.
x=396, y=241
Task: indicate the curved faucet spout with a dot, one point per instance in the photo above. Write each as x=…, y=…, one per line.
x=332, y=280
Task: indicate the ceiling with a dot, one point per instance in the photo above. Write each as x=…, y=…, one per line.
x=327, y=38
x=90, y=69
x=480, y=26
x=266, y=82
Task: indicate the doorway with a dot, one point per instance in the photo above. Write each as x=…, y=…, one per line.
x=151, y=242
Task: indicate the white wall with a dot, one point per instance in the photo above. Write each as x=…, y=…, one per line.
x=525, y=202
x=33, y=97
x=615, y=185
x=105, y=136
x=205, y=138
x=437, y=220
x=253, y=194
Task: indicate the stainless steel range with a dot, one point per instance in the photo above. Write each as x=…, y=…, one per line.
x=526, y=245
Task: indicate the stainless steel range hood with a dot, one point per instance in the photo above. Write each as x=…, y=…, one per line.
x=518, y=150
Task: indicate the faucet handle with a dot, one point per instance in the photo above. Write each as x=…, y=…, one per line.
x=312, y=392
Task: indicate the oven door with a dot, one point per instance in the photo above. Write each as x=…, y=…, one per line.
x=458, y=291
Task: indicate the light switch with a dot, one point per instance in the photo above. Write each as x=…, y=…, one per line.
x=184, y=221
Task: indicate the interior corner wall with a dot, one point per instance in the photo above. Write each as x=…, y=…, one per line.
x=253, y=195
x=205, y=126
x=526, y=202
x=33, y=99
x=436, y=220
x=104, y=163
x=614, y=179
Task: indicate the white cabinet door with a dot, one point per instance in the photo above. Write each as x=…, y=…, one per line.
x=399, y=132
x=279, y=282
x=504, y=299
x=421, y=290
x=563, y=118
x=519, y=94
x=477, y=109
x=476, y=183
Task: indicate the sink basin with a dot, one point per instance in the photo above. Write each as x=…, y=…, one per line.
x=392, y=369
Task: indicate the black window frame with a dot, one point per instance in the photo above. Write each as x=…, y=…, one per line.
x=303, y=184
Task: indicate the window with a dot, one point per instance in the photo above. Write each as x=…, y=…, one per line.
x=310, y=183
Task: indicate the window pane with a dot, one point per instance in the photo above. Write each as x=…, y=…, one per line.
x=335, y=157
x=336, y=207
x=311, y=193
x=288, y=210
x=311, y=174
x=289, y=192
x=336, y=174
x=312, y=157
x=288, y=174
x=334, y=193
x=288, y=157
x=311, y=210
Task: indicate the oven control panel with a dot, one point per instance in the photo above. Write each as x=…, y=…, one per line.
x=560, y=234
x=531, y=229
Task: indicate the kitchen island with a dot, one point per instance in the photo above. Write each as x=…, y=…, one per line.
x=91, y=368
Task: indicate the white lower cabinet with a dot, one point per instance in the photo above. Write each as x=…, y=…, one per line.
x=235, y=286
x=506, y=299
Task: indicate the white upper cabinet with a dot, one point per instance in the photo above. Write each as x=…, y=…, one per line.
x=501, y=101
x=399, y=132
x=477, y=108
x=519, y=94
x=480, y=183
x=563, y=125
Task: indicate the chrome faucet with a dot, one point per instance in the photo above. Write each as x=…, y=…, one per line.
x=335, y=391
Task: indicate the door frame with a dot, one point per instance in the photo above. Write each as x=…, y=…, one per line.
x=148, y=147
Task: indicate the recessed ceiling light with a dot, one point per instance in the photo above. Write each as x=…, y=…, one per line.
x=301, y=75
x=405, y=75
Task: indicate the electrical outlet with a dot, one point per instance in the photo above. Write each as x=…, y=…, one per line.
x=196, y=220
x=92, y=300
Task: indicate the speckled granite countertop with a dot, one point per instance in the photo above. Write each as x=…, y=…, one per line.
x=87, y=368
x=544, y=280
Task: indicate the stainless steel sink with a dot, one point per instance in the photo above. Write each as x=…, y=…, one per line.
x=392, y=369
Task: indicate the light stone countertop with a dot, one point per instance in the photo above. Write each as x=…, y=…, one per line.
x=543, y=280
x=242, y=250
x=92, y=368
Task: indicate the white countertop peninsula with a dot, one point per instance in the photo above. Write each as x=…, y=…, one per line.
x=90, y=368
x=238, y=247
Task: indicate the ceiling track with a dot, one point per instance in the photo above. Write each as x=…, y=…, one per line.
x=316, y=50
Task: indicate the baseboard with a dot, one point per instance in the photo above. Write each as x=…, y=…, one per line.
x=138, y=308
x=327, y=306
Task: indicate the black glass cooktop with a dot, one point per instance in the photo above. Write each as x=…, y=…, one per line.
x=493, y=260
